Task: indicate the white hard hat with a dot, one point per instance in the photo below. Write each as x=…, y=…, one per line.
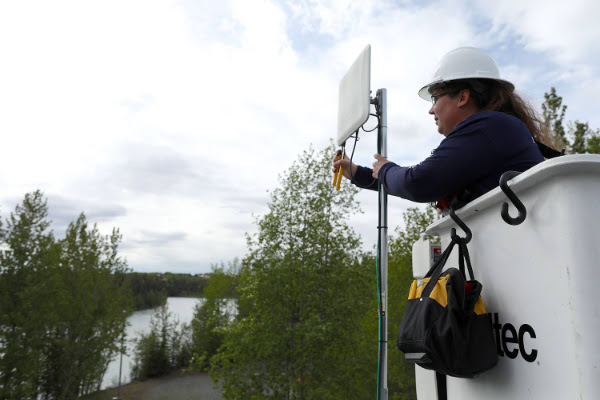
x=464, y=63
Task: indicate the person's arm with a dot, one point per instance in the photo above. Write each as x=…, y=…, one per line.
x=364, y=178
x=460, y=160
x=360, y=176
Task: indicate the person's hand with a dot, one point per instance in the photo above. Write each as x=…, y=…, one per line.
x=344, y=163
x=378, y=164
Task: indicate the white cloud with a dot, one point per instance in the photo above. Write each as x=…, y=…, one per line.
x=568, y=31
x=178, y=116
x=564, y=38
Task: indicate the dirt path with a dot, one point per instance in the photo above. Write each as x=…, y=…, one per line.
x=197, y=386
x=187, y=387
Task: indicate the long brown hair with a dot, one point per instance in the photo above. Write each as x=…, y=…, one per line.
x=492, y=95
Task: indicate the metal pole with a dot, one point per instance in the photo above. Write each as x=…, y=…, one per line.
x=381, y=100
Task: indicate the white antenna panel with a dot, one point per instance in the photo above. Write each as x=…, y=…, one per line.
x=354, y=99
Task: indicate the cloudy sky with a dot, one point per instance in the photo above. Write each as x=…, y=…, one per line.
x=172, y=119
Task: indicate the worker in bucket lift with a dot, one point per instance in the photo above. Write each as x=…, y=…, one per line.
x=488, y=129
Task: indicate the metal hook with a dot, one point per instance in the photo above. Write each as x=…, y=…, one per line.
x=462, y=225
x=513, y=198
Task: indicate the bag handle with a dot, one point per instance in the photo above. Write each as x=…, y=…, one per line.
x=436, y=270
x=463, y=255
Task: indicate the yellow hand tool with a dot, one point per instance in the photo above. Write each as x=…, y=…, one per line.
x=337, y=176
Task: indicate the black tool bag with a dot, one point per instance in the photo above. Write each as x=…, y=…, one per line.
x=445, y=327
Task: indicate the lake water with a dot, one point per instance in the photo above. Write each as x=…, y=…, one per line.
x=139, y=322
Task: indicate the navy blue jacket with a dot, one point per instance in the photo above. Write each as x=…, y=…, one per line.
x=472, y=157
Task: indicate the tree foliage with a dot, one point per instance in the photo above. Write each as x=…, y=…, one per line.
x=214, y=313
x=401, y=379
x=63, y=305
x=150, y=290
x=580, y=138
x=593, y=143
x=303, y=293
x=585, y=140
x=167, y=346
x=554, y=113
x=308, y=317
x=29, y=248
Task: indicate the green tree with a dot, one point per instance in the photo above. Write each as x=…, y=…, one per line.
x=150, y=290
x=593, y=143
x=303, y=293
x=401, y=379
x=554, y=113
x=585, y=140
x=578, y=131
x=90, y=307
x=26, y=314
x=165, y=347
x=212, y=315
x=62, y=305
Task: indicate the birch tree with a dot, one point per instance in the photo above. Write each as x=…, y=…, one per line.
x=63, y=305
x=305, y=294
